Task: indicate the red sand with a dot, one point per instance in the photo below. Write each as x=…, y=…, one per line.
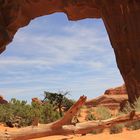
x=127, y=135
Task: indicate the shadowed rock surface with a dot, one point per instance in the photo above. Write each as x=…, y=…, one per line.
x=121, y=19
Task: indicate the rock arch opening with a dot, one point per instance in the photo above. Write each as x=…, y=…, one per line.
x=121, y=20
x=59, y=57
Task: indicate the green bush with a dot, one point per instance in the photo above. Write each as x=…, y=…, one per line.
x=67, y=103
x=133, y=126
x=20, y=113
x=137, y=105
x=16, y=109
x=48, y=114
x=90, y=117
x=97, y=131
x=103, y=113
x=129, y=107
x=59, y=101
x=116, y=129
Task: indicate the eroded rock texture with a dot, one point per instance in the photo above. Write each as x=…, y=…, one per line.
x=113, y=98
x=121, y=18
x=121, y=90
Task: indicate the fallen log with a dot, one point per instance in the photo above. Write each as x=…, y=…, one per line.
x=63, y=126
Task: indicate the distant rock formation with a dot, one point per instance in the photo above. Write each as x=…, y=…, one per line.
x=121, y=90
x=36, y=100
x=2, y=100
x=113, y=98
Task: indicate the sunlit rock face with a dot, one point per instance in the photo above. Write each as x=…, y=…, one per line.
x=121, y=19
x=113, y=98
x=37, y=101
x=121, y=90
x=2, y=100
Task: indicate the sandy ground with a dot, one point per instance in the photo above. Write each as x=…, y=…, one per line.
x=127, y=135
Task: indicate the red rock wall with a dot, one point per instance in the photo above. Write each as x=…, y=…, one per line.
x=121, y=18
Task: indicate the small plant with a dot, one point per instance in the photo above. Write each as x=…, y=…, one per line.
x=116, y=129
x=103, y=113
x=90, y=117
x=133, y=126
x=129, y=107
x=97, y=131
x=91, y=110
x=137, y=105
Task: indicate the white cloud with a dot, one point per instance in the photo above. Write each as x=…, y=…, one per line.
x=60, y=49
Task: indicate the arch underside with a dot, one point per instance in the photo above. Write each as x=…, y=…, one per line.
x=18, y=13
x=121, y=19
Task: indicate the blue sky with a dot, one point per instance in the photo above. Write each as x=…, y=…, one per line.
x=54, y=54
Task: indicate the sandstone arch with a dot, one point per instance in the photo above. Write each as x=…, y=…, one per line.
x=121, y=19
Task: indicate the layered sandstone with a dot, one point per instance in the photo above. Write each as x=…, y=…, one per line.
x=113, y=98
x=121, y=90
x=121, y=19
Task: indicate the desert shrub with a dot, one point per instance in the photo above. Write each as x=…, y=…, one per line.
x=22, y=114
x=137, y=105
x=133, y=126
x=103, y=113
x=16, y=109
x=90, y=117
x=67, y=103
x=97, y=131
x=59, y=101
x=91, y=110
x=48, y=114
x=4, y=113
x=129, y=107
x=116, y=129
